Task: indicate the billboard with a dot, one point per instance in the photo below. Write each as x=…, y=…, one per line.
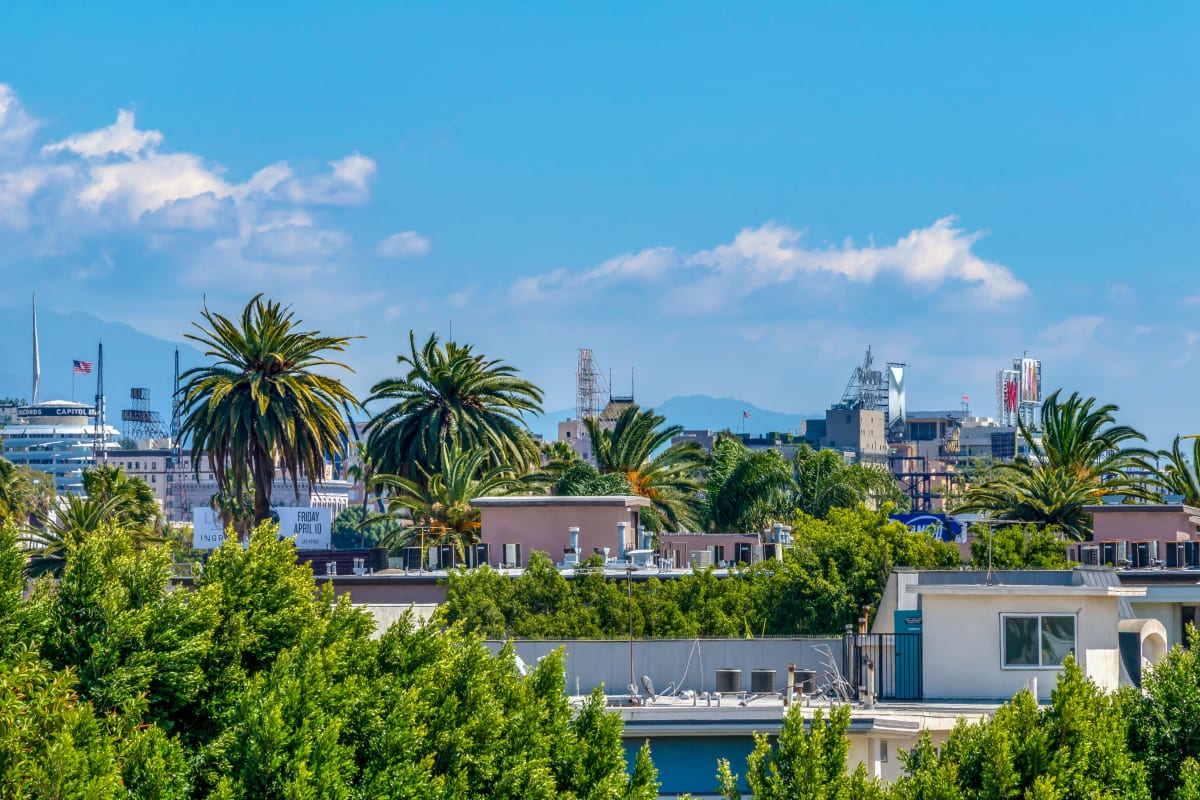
x=207, y=532
x=939, y=526
x=1031, y=380
x=1010, y=381
x=37, y=412
x=310, y=527
x=896, y=410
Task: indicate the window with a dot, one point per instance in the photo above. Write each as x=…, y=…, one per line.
x=1033, y=641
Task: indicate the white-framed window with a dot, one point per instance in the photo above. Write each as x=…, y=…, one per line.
x=1036, y=641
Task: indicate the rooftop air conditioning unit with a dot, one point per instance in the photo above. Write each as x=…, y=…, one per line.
x=1089, y=556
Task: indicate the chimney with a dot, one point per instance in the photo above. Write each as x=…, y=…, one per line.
x=574, y=535
x=622, y=527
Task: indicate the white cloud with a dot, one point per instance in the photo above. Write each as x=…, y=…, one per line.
x=406, y=244
x=1071, y=337
x=17, y=128
x=773, y=255
x=290, y=243
x=71, y=196
x=122, y=137
x=927, y=258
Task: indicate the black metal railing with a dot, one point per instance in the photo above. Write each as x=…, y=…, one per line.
x=887, y=665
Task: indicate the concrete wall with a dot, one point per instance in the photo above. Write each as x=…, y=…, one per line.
x=961, y=643
x=590, y=663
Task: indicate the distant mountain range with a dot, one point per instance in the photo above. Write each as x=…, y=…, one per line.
x=131, y=358
x=698, y=411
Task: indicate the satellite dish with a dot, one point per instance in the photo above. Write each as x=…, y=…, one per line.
x=648, y=685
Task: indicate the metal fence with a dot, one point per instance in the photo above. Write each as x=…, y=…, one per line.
x=887, y=665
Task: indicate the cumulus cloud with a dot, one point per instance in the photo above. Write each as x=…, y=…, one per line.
x=123, y=179
x=406, y=244
x=775, y=255
x=122, y=137
x=17, y=128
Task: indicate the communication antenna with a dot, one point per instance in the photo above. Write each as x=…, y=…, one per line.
x=143, y=422
x=100, y=440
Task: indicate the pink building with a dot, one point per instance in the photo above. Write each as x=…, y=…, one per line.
x=1142, y=535
x=550, y=523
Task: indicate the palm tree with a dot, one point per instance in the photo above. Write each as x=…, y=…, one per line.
x=262, y=403
x=757, y=492
x=451, y=393
x=16, y=493
x=133, y=498
x=825, y=481
x=639, y=447
x=440, y=504
x=1181, y=475
x=74, y=518
x=1081, y=456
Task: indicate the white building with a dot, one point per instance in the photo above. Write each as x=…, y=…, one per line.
x=57, y=437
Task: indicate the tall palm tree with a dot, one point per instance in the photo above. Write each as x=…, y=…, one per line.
x=440, y=504
x=262, y=402
x=825, y=481
x=639, y=447
x=133, y=498
x=1081, y=456
x=1180, y=475
x=758, y=491
x=451, y=393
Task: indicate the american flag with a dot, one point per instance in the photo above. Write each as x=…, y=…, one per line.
x=83, y=368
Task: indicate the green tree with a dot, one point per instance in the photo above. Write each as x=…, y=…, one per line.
x=133, y=499
x=583, y=480
x=263, y=401
x=825, y=481
x=639, y=447
x=17, y=493
x=451, y=394
x=352, y=528
x=1081, y=455
x=1018, y=547
x=757, y=492
x=1181, y=474
x=1164, y=729
x=805, y=763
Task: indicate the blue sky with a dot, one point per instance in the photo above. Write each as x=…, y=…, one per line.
x=733, y=199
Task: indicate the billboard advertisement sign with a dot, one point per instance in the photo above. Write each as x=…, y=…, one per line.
x=310, y=527
x=207, y=532
x=1031, y=380
x=896, y=409
x=1011, y=382
x=40, y=412
x=939, y=526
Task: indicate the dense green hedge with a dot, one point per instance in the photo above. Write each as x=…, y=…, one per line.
x=835, y=567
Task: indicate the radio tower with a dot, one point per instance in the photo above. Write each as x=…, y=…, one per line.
x=100, y=440
x=589, y=387
x=178, y=472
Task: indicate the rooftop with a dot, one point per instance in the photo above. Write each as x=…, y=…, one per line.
x=524, y=501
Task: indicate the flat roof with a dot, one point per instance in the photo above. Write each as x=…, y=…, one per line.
x=678, y=717
x=1027, y=589
x=1142, y=508
x=521, y=501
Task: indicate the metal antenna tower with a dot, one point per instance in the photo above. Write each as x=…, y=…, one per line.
x=589, y=387
x=142, y=422
x=867, y=388
x=178, y=474
x=100, y=439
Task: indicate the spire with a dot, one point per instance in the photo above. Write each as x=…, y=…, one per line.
x=37, y=358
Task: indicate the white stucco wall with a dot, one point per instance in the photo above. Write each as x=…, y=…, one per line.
x=1167, y=613
x=962, y=640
